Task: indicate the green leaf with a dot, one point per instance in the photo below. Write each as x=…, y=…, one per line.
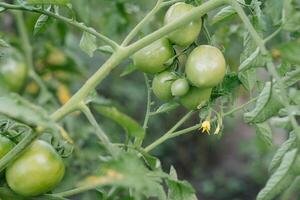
x=167, y=107
x=3, y=44
x=132, y=128
x=106, y=49
x=88, y=43
x=179, y=190
x=291, y=16
x=7, y=194
x=273, y=9
x=128, y=70
x=291, y=77
x=15, y=107
x=283, y=149
x=264, y=133
x=246, y=63
x=281, y=179
x=248, y=78
x=55, y=2
x=290, y=51
x=267, y=105
x=223, y=14
x=135, y=175
x=42, y=23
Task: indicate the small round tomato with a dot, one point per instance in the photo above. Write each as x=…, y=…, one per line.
x=161, y=85
x=153, y=58
x=195, y=98
x=38, y=170
x=13, y=73
x=205, y=66
x=5, y=145
x=180, y=87
x=188, y=34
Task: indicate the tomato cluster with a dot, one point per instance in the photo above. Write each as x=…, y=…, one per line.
x=36, y=171
x=204, y=68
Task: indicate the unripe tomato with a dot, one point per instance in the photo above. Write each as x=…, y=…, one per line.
x=13, y=73
x=152, y=58
x=38, y=170
x=161, y=85
x=187, y=34
x=195, y=97
x=180, y=87
x=205, y=66
x=5, y=145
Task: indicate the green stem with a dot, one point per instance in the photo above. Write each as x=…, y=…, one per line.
x=147, y=115
x=27, y=49
x=142, y=23
x=99, y=131
x=17, y=150
x=168, y=133
x=270, y=65
x=79, y=25
x=125, y=52
x=171, y=134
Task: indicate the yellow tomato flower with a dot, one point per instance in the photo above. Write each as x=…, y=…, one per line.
x=205, y=126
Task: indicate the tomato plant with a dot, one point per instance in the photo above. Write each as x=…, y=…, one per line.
x=207, y=61
x=40, y=166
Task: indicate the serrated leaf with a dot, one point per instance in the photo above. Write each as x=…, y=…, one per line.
x=290, y=51
x=15, y=107
x=167, y=107
x=291, y=16
x=283, y=149
x=267, y=105
x=273, y=9
x=134, y=174
x=291, y=77
x=3, y=43
x=88, y=43
x=128, y=70
x=281, y=179
x=55, y=2
x=179, y=190
x=246, y=63
x=42, y=23
x=132, y=128
x=264, y=133
x=248, y=78
x=223, y=14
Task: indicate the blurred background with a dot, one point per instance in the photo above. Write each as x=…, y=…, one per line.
x=233, y=166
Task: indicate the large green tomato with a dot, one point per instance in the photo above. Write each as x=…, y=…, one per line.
x=38, y=170
x=152, y=58
x=161, y=85
x=187, y=34
x=5, y=145
x=180, y=87
x=13, y=73
x=195, y=97
x=205, y=66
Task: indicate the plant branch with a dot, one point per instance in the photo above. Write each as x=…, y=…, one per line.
x=17, y=150
x=147, y=115
x=270, y=65
x=171, y=134
x=168, y=133
x=27, y=49
x=125, y=52
x=72, y=22
x=99, y=131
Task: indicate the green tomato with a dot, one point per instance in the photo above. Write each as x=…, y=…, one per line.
x=161, y=85
x=152, y=58
x=187, y=34
x=5, y=146
x=205, y=66
x=195, y=98
x=13, y=74
x=38, y=170
x=180, y=87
